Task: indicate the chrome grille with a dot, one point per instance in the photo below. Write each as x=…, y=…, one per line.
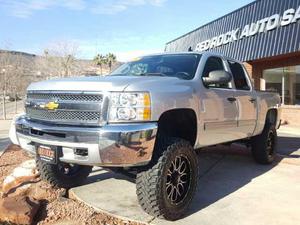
x=74, y=108
x=64, y=116
x=66, y=97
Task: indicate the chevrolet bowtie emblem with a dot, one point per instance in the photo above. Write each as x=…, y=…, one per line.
x=50, y=106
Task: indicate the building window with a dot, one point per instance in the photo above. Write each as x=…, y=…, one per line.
x=285, y=81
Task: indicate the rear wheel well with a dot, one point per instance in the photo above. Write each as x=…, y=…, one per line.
x=271, y=116
x=181, y=123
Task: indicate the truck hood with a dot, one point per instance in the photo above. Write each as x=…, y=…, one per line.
x=107, y=83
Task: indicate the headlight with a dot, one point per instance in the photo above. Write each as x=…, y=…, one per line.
x=130, y=106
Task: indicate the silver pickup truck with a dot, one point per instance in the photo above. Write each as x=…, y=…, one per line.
x=147, y=117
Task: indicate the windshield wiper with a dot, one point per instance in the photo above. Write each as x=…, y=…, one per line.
x=153, y=74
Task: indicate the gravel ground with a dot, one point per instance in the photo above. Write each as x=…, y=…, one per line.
x=56, y=208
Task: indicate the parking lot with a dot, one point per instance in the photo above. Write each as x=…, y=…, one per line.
x=232, y=188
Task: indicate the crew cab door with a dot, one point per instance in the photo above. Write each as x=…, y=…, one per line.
x=218, y=108
x=246, y=99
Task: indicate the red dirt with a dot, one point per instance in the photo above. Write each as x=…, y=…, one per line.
x=55, y=208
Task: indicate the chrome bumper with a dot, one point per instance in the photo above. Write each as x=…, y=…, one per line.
x=111, y=145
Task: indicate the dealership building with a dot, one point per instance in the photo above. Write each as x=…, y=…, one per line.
x=265, y=35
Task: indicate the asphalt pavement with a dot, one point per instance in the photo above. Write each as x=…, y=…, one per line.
x=4, y=138
x=232, y=188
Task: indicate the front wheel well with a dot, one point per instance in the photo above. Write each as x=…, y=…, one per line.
x=180, y=123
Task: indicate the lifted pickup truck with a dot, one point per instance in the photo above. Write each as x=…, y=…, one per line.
x=147, y=116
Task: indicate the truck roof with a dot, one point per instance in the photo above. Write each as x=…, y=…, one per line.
x=206, y=53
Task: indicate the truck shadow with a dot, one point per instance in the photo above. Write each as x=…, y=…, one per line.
x=224, y=170
x=100, y=174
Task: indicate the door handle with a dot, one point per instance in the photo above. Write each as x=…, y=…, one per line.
x=252, y=100
x=231, y=99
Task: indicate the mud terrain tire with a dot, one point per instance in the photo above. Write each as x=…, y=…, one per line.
x=62, y=175
x=264, y=145
x=166, y=188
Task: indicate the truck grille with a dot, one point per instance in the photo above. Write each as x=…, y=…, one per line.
x=64, y=116
x=66, y=97
x=73, y=108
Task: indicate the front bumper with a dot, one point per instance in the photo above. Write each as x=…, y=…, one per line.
x=121, y=145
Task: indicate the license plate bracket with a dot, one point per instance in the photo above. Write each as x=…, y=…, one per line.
x=49, y=154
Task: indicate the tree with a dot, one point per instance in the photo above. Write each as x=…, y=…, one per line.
x=100, y=60
x=15, y=75
x=4, y=89
x=111, y=59
x=5, y=68
x=48, y=66
x=20, y=76
x=67, y=63
x=59, y=59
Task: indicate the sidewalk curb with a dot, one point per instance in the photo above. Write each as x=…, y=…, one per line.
x=288, y=132
x=72, y=195
x=5, y=149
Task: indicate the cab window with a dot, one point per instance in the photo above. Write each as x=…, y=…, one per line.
x=182, y=66
x=212, y=64
x=239, y=76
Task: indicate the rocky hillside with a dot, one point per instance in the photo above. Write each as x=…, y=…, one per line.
x=19, y=69
x=40, y=66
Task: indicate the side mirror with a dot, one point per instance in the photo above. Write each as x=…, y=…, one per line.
x=217, y=77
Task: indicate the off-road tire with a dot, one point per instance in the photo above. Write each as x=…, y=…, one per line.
x=262, y=152
x=151, y=182
x=56, y=178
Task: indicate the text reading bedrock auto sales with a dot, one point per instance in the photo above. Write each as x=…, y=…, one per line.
x=264, y=25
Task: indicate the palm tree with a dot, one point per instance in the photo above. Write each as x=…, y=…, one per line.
x=100, y=60
x=111, y=59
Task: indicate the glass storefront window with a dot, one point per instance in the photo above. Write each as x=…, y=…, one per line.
x=285, y=81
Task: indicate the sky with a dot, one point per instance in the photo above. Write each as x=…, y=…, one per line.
x=127, y=28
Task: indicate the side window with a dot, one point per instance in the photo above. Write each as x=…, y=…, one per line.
x=212, y=64
x=239, y=76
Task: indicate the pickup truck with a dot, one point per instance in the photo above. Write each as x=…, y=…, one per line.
x=147, y=117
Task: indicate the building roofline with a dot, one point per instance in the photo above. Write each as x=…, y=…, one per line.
x=214, y=20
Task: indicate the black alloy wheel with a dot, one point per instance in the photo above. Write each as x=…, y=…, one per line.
x=178, y=179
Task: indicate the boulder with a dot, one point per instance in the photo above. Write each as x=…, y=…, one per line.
x=23, y=174
x=18, y=209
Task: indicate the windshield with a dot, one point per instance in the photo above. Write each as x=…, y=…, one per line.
x=183, y=66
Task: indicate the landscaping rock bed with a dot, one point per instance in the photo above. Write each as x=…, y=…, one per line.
x=25, y=199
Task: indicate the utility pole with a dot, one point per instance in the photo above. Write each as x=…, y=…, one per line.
x=16, y=103
x=4, y=95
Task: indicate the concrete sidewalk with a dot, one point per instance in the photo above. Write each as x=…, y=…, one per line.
x=288, y=129
x=232, y=189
